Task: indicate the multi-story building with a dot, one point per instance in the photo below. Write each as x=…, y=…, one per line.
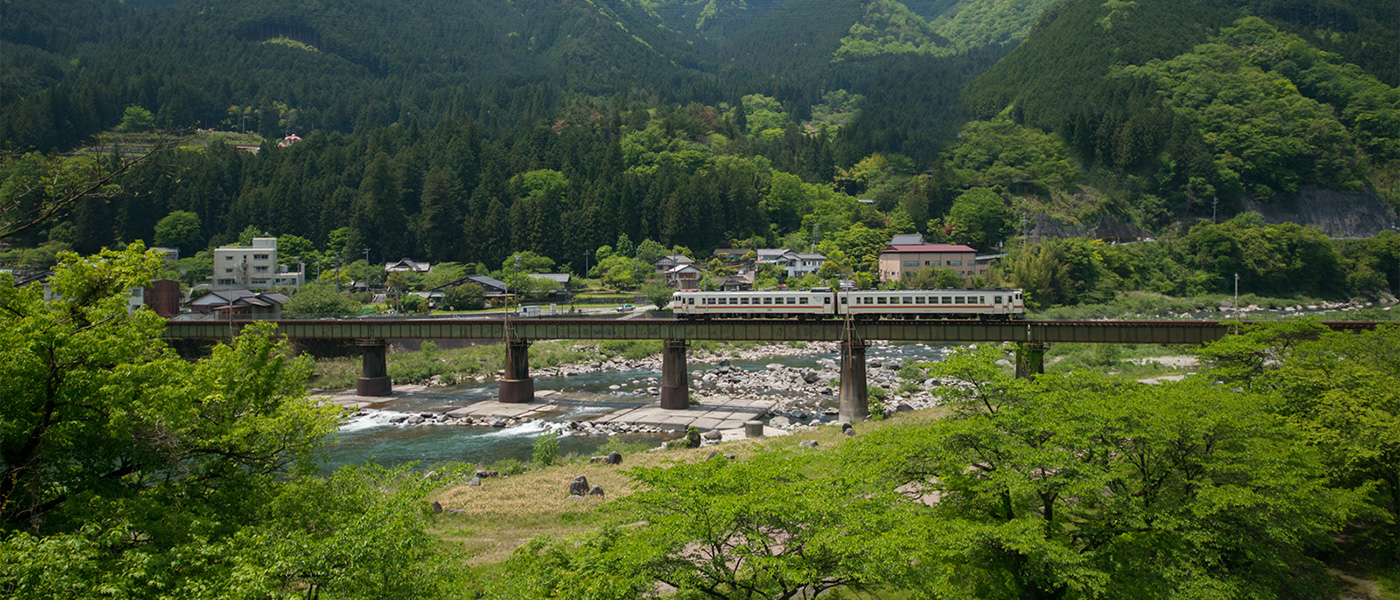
x=897, y=260
x=252, y=267
x=793, y=264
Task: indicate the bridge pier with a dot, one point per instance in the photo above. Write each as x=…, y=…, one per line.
x=854, y=403
x=374, y=368
x=675, y=378
x=516, y=385
x=1030, y=359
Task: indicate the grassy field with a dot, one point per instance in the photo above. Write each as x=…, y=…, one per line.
x=504, y=513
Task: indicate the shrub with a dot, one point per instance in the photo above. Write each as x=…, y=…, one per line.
x=508, y=466
x=546, y=449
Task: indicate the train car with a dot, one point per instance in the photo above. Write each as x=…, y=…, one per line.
x=796, y=304
x=999, y=304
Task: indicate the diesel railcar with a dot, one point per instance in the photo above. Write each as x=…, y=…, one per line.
x=993, y=304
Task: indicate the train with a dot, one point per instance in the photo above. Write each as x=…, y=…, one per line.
x=825, y=303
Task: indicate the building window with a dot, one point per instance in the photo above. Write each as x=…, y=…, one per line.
x=259, y=257
x=260, y=269
x=228, y=257
x=911, y=263
x=226, y=282
x=228, y=270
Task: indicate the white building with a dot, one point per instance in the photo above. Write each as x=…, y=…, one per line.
x=252, y=267
x=794, y=264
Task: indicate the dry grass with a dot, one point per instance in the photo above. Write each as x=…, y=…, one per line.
x=504, y=513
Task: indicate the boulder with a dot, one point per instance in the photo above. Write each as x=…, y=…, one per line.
x=811, y=377
x=415, y=420
x=779, y=422
x=808, y=444
x=454, y=511
x=730, y=456
x=614, y=458
x=713, y=453
x=903, y=408
x=596, y=490
x=483, y=474
x=712, y=435
x=598, y=460
x=437, y=508
x=474, y=482
x=773, y=367
x=398, y=418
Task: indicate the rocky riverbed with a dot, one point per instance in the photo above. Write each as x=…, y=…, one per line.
x=796, y=395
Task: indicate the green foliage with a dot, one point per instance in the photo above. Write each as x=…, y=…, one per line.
x=692, y=437
x=154, y=477
x=179, y=229
x=467, y=296
x=136, y=118
x=319, y=300
x=1267, y=258
x=1079, y=486
x=546, y=451
x=768, y=526
x=1002, y=153
x=971, y=25
x=1267, y=137
x=658, y=294
x=979, y=218
x=1340, y=388
x=889, y=27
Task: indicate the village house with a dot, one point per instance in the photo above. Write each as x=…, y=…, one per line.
x=407, y=265
x=897, y=260
x=240, y=304
x=793, y=264
x=253, y=267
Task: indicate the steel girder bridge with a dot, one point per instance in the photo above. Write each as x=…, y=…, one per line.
x=1030, y=336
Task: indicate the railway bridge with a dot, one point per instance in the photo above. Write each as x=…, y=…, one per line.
x=516, y=385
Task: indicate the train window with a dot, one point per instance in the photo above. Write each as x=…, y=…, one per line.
x=919, y=300
x=843, y=300
x=690, y=301
x=908, y=299
x=743, y=301
x=996, y=299
x=947, y=300
x=880, y=300
x=791, y=300
x=826, y=300
x=767, y=300
x=959, y=300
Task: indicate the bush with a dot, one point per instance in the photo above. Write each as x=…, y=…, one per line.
x=877, y=411
x=546, y=450
x=508, y=466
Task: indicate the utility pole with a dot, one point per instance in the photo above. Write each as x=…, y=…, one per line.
x=1237, y=302
x=1215, y=201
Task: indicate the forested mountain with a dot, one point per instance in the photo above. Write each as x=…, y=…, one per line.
x=466, y=130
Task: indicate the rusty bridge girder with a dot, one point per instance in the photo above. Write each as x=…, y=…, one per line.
x=1111, y=332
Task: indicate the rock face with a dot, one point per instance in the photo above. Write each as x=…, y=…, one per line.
x=579, y=486
x=1338, y=214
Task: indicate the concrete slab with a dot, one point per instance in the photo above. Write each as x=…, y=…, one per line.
x=705, y=424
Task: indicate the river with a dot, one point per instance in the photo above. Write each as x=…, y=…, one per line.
x=372, y=437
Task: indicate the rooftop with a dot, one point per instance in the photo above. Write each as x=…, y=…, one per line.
x=925, y=248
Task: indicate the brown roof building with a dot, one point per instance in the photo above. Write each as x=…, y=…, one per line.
x=897, y=260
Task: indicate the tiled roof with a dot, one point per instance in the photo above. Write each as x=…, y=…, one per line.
x=920, y=248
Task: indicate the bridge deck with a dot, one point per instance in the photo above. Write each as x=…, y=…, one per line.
x=1119, y=332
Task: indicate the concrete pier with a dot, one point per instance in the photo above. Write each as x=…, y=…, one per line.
x=374, y=368
x=675, y=378
x=1030, y=359
x=516, y=385
x=854, y=403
